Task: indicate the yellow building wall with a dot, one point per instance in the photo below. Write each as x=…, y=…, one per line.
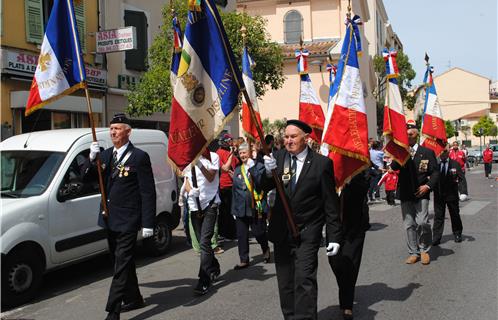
x=461, y=92
x=14, y=27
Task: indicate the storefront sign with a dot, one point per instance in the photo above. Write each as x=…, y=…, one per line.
x=24, y=64
x=116, y=40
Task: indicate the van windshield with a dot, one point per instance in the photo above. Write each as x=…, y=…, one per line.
x=28, y=173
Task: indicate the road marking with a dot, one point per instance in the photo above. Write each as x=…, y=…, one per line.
x=473, y=207
x=380, y=207
x=73, y=298
x=476, y=172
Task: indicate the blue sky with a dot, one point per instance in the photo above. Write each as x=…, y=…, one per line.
x=456, y=33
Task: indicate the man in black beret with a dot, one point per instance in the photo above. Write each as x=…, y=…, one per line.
x=417, y=178
x=131, y=204
x=308, y=180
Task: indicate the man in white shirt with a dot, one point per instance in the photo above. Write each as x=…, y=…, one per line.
x=203, y=183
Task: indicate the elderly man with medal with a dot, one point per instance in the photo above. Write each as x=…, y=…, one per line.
x=249, y=206
x=131, y=204
x=308, y=179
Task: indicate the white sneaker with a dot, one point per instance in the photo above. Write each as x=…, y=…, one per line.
x=463, y=197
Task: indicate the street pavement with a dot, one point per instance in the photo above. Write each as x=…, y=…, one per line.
x=460, y=283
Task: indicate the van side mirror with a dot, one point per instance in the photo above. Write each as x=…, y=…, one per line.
x=69, y=191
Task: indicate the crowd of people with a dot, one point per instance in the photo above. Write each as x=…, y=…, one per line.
x=286, y=196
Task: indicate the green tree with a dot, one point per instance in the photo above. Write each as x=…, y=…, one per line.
x=153, y=93
x=450, y=129
x=275, y=128
x=485, y=123
x=406, y=75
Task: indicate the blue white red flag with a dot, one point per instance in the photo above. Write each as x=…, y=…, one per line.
x=208, y=85
x=433, y=133
x=345, y=139
x=332, y=70
x=302, y=61
x=396, y=137
x=310, y=109
x=177, y=49
x=248, y=125
x=61, y=68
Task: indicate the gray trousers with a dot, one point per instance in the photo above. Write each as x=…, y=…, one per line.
x=416, y=222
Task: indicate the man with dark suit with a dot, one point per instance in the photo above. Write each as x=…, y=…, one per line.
x=417, y=178
x=355, y=222
x=446, y=194
x=131, y=203
x=308, y=180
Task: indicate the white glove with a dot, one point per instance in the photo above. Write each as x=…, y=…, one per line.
x=94, y=149
x=194, y=192
x=333, y=249
x=270, y=163
x=147, y=232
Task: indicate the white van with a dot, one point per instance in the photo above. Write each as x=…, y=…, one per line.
x=49, y=214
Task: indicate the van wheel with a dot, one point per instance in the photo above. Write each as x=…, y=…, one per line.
x=22, y=273
x=160, y=242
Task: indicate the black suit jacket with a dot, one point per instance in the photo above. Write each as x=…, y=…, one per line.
x=131, y=198
x=242, y=205
x=420, y=170
x=355, y=211
x=313, y=201
x=447, y=187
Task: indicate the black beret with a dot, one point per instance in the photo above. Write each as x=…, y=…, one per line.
x=301, y=125
x=120, y=118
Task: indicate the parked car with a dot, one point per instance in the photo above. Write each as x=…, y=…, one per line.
x=474, y=156
x=49, y=213
x=494, y=147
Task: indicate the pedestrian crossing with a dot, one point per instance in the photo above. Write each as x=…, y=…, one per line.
x=467, y=208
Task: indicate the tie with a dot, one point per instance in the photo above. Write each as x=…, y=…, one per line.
x=412, y=152
x=294, y=172
x=443, y=169
x=114, y=160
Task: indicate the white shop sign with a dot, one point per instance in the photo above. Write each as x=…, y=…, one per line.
x=116, y=40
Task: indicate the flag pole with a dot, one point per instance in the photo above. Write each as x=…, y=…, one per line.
x=266, y=150
x=99, y=163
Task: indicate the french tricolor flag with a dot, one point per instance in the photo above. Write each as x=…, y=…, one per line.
x=60, y=69
x=302, y=61
x=433, y=129
x=310, y=110
x=248, y=125
x=345, y=139
x=394, y=116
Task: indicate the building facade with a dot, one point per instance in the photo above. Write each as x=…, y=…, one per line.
x=320, y=24
x=22, y=29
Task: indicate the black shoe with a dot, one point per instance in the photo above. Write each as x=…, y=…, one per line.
x=201, y=288
x=458, y=238
x=436, y=242
x=137, y=304
x=214, y=276
x=241, y=266
x=267, y=256
x=112, y=316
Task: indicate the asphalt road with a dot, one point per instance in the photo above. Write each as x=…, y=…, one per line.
x=460, y=283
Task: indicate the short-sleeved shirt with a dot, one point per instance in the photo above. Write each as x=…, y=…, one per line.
x=208, y=190
x=226, y=181
x=377, y=158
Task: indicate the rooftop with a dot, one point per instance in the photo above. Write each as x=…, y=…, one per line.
x=476, y=114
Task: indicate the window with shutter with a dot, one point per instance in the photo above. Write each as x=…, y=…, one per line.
x=293, y=27
x=79, y=12
x=33, y=14
x=136, y=59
